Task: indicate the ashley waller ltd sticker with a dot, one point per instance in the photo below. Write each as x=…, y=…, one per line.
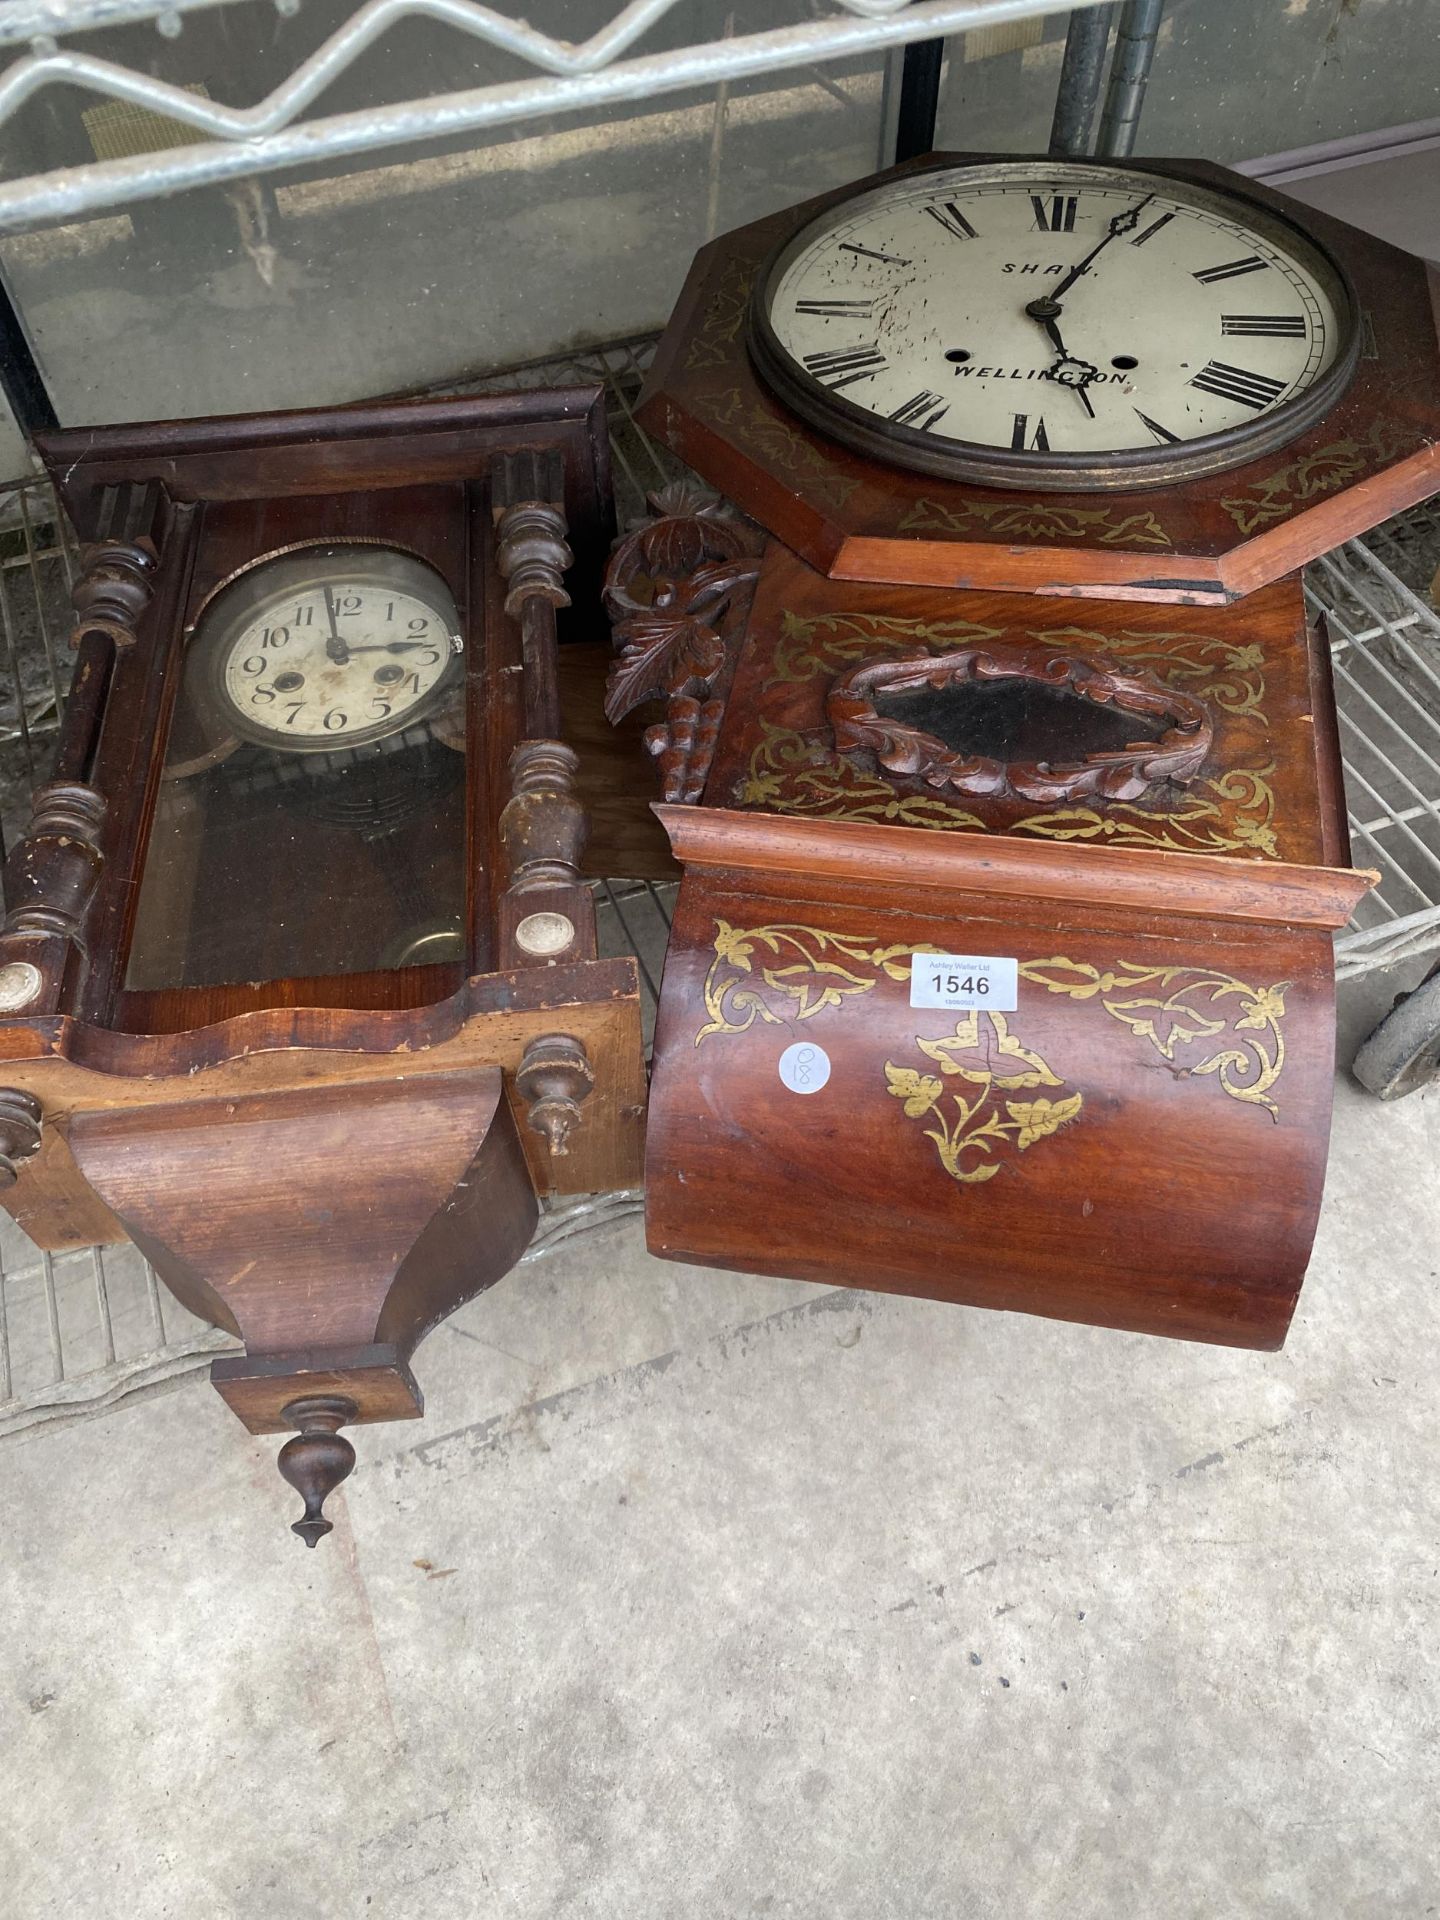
x=964, y=980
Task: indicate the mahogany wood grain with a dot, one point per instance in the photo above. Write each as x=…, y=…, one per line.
x=1157, y=1201
x=319, y=1221
x=490, y=1021
x=1138, y=1140
x=710, y=839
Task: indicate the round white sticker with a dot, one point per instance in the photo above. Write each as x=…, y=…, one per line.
x=804, y=1068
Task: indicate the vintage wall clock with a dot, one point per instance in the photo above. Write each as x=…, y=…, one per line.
x=298, y=974
x=1012, y=830
x=1146, y=380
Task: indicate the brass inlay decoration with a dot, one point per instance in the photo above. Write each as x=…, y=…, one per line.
x=1324, y=471
x=804, y=979
x=1033, y=520
x=767, y=434
x=983, y=1052
x=1200, y=826
x=713, y=342
x=825, y=643
x=1174, y=1008
x=788, y=971
x=791, y=774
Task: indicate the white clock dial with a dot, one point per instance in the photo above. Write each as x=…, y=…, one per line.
x=1035, y=316
x=330, y=647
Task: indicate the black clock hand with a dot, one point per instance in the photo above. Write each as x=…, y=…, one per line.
x=334, y=646
x=1122, y=223
x=1047, y=312
x=392, y=646
x=1077, y=386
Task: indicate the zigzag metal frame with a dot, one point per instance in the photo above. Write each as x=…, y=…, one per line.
x=244, y=141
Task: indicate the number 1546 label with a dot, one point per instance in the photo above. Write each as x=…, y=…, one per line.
x=964, y=980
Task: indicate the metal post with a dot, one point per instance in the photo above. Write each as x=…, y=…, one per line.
x=1124, y=97
x=919, y=98
x=1081, y=75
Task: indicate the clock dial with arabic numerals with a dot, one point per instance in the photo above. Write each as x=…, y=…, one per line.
x=330, y=646
x=1051, y=323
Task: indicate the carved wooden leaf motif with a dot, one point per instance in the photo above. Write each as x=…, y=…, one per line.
x=661, y=654
x=1120, y=774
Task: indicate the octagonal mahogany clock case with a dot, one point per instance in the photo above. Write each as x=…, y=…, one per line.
x=1013, y=836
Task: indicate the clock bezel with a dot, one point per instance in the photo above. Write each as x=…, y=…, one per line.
x=859, y=430
x=213, y=636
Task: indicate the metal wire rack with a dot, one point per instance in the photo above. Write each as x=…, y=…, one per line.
x=1385, y=649
x=83, y=1332
x=548, y=75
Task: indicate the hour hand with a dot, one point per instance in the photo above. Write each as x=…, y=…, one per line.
x=1067, y=370
x=1047, y=311
x=335, y=647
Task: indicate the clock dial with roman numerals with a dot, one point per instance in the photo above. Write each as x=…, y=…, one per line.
x=1051, y=323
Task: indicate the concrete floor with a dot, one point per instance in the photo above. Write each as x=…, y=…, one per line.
x=697, y=1595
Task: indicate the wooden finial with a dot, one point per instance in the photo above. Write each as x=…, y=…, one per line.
x=318, y=1459
x=554, y=1077
x=19, y=1131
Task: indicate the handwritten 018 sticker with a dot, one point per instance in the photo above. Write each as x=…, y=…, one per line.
x=804, y=1067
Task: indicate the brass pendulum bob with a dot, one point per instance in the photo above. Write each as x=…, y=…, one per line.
x=318, y=1458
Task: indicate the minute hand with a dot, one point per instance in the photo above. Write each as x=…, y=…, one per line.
x=1122, y=223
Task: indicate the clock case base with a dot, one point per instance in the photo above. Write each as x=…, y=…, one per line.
x=1140, y=1142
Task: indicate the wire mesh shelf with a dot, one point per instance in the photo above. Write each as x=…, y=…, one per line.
x=1385, y=650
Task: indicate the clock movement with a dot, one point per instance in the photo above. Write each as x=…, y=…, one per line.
x=298, y=974
x=996, y=749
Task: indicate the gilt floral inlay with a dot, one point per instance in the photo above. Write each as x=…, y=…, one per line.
x=1241, y=821
x=767, y=433
x=970, y=1127
x=1206, y=1023
x=825, y=643
x=789, y=773
x=783, y=973
x=1233, y=1026
x=792, y=773
x=800, y=770
x=1033, y=520
x=1324, y=471
x=713, y=342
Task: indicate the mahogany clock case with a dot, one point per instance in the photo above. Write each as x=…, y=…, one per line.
x=1209, y=538
x=1139, y=1139
x=324, y=1159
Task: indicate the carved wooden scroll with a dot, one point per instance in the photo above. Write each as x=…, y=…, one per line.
x=1175, y=755
x=678, y=590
